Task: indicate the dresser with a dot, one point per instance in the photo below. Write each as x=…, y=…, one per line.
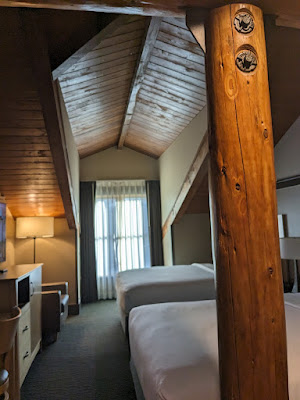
x=21, y=286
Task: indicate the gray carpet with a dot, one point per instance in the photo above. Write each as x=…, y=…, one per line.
x=89, y=361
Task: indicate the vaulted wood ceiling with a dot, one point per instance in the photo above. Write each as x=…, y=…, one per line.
x=27, y=174
x=143, y=84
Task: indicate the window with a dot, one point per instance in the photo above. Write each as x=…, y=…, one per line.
x=121, y=231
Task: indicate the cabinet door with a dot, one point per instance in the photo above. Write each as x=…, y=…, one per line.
x=36, y=306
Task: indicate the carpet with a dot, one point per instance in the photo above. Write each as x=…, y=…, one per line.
x=89, y=361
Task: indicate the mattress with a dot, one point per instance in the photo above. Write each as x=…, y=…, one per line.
x=174, y=350
x=164, y=284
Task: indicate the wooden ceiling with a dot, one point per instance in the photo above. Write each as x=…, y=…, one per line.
x=27, y=174
x=154, y=7
x=154, y=93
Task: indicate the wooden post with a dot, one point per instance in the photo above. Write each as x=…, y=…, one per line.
x=251, y=319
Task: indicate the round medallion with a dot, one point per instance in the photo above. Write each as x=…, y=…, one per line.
x=243, y=22
x=246, y=61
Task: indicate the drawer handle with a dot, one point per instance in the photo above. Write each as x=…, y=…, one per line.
x=25, y=329
x=26, y=355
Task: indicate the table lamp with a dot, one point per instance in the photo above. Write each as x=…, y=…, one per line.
x=34, y=227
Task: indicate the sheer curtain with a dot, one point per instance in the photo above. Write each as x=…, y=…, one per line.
x=121, y=231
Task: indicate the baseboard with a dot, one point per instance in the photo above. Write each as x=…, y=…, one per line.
x=74, y=309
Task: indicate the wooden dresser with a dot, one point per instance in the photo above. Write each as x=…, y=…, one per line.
x=21, y=286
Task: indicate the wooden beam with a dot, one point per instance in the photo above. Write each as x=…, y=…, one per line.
x=195, y=19
x=37, y=51
x=197, y=167
x=250, y=306
x=288, y=21
x=288, y=182
x=142, y=63
x=200, y=177
x=158, y=8
x=91, y=44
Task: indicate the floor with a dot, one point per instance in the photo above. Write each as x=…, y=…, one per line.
x=89, y=361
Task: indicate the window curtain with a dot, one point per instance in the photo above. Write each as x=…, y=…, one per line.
x=121, y=231
x=154, y=217
x=87, y=243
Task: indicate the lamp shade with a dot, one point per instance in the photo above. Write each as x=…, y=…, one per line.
x=33, y=227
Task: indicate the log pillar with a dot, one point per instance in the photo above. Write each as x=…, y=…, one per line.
x=250, y=307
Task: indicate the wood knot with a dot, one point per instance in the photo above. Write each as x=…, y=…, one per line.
x=266, y=134
x=223, y=170
x=238, y=186
x=270, y=269
x=273, y=320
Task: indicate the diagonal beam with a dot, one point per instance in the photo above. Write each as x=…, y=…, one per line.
x=147, y=47
x=197, y=170
x=42, y=72
x=91, y=44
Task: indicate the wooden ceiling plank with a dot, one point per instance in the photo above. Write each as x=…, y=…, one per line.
x=98, y=106
x=101, y=60
x=170, y=90
x=91, y=44
x=91, y=101
x=7, y=131
x=158, y=112
x=42, y=72
x=94, y=55
x=98, y=81
x=96, y=90
x=170, y=87
x=148, y=44
x=168, y=126
x=179, y=60
x=182, y=78
x=177, y=31
x=101, y=74
x=176, y=102
x=179, y=43
x=95, y=71
x=193, y=76
x=91, y=91
x=120, y=39
x=198, y=161
x=195, y=91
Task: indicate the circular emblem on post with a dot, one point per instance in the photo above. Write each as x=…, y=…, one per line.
x=246, y=61
x=243, y=22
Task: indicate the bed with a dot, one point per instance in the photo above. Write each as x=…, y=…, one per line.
x=163, y=284
x=174, y=352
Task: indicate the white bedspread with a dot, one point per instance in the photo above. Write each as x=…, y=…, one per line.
x=164, y=284
x=174, y=349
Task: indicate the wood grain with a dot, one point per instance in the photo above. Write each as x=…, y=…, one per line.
x=27, y=175
x=160, y=8
x=251, y=320
x=145, y=54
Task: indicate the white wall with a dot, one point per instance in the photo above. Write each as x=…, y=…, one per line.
x=287, y=164
x=174, y=165
x=191, y=239
x=118, y=164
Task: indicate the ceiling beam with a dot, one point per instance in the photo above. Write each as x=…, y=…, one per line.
x=91, y=44
x=38, y=54
x=198, y=168
x=159, y=8
x=199, y=180
x=142, y=63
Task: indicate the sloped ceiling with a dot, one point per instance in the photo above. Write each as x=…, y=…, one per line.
x=171, y=93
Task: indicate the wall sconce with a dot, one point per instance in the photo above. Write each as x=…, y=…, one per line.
x=34, y=227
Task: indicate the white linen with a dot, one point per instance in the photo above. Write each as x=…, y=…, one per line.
x=174, y=349
x=164, y=284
